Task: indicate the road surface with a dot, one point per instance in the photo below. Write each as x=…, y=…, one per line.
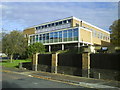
x=12, y=80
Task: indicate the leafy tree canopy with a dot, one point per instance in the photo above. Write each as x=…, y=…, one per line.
x=36, y=48
x=14, y=43
x=115, y=33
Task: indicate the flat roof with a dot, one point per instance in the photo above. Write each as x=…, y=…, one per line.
x=71, y=17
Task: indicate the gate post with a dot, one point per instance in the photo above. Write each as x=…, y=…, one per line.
x=35, y=62
x=86, y=64
x=54, y=63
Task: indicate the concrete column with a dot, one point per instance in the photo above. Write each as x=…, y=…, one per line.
x=78, y=44
x=62, y=46
x=83, y=44
x=35, y=62
x=49, y=48
x=85, y=64
x=54, y=63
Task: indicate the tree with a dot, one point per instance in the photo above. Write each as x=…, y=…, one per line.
x=14, y=43
x=36, y=48
x=115, y=33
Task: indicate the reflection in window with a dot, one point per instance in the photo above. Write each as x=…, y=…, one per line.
x=75, y=34
x=65, y=35
x=40, y=38
x=47, y=38
x=33, y=38
x=60, y=22
x=69, y=21
x=51, y=37
x=56, y=23
x=70, y=35
x=36, y=38
x=52, y=24
x=65, y=21
x=55, y=35
x=60, y=36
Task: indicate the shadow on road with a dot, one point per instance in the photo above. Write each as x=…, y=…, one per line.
x=6, y=84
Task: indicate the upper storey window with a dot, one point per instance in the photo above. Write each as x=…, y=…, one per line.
x=65, y=21
x=49, y=25
x=36, y=28
x=55, y=25
x=52, y=24
x=69, y=21
x=42, y=27
x=60, y=22
x=45, y=26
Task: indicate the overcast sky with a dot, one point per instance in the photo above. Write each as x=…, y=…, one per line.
x=20, y=15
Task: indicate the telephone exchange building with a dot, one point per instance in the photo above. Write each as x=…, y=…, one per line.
x=67, y=33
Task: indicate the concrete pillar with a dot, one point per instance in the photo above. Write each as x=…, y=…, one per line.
x=54, y=63
x=62, y=46
x=78, y=44
x=78, y=47
x=85, y=64
x=35, y=62
x=49, y=48
x=83, y=44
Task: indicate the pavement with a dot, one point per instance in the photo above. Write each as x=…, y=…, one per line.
x=99, y=84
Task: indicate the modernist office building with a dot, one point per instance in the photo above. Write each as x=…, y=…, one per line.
x=67, y=33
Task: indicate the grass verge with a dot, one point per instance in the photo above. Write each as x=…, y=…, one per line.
x=14, y=64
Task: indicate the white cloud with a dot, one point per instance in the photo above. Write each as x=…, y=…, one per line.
x=29, y=14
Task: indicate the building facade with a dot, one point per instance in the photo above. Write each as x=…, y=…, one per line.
x=66, y=33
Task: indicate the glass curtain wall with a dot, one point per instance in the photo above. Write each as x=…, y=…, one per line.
x=75, y=34
x=53, y=37
x=60, y=36
x=70, y=35
x=65, y=35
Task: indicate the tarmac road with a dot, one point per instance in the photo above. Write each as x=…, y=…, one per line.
x=12, y=80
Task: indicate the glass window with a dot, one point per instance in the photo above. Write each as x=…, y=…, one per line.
x=42, y=27
x=39, y=27
x=36, y=38
x=47, y=37
x=55, y=35
x=98, y=34
x=45, y=26
x=75, y=34
x=60, y=22
x=51, y=37
x=33, y=39
x=49, y=25
x=65, y=35
x=69, y=21
x=43, y=38
x=65, y=21
x=36, y=28
x=60, y=36
x=52, y=24
x=40, y=37
x=56, y=23
x=70, y=35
